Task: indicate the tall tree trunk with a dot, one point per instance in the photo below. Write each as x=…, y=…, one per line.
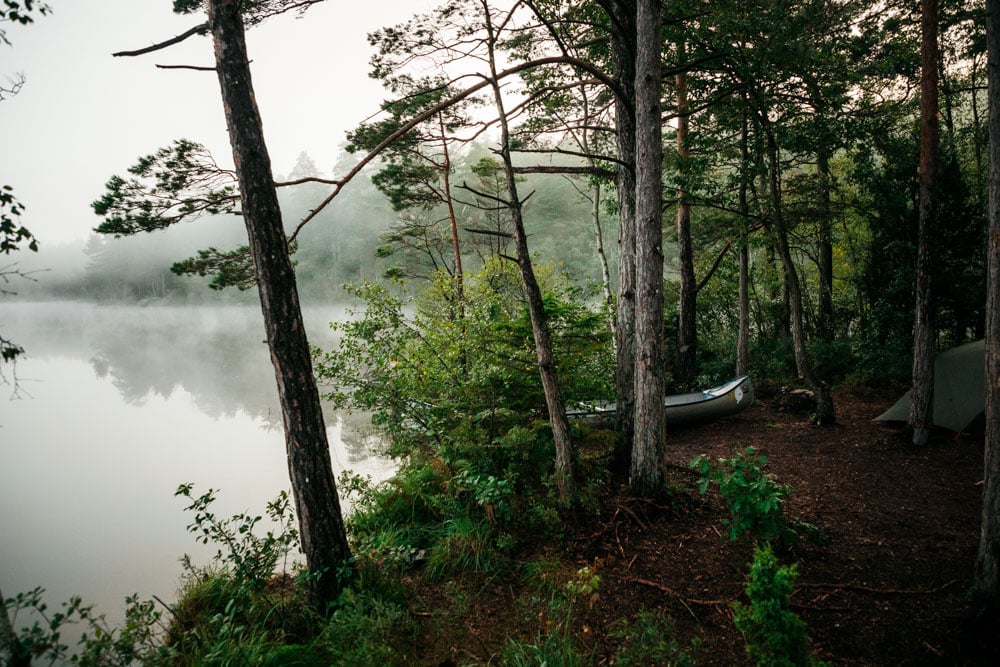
x=558, y=421
x=622, y=15
x=976, y=133
x=609, y=297
x=646, y=474
x=743, y=338
x=321, y=527
x=825, y=248
x=687, y=328
x=921, y=395
x=825, y=414
x=450, y=202
x=595, y=217
x=986, y=583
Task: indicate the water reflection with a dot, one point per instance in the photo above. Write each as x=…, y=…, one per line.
x=126, y=403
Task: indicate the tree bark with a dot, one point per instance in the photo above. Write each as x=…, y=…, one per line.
x=825, y=414
x=687, y=328
x=825, y=249
x=921, y=395
x=743, y=338
x=986, y=582
x=321, y=527
x=450, y=202
x=623, y=48
x=646, y=474
x=565, y=459
x=602, y=257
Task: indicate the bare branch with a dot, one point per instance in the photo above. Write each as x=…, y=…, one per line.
x=194, y=67
x=197, y=30
x=12, y=87
x=489, y=232
x=430, y=112
x=556, y=169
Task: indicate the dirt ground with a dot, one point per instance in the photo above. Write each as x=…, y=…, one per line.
x=889, y=587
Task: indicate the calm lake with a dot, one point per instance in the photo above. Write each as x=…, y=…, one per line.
x=116, y=406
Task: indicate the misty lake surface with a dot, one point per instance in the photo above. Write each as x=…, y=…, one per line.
x=115, y=407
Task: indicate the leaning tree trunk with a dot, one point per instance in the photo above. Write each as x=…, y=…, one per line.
x=986, y=583
x=646, y=474
x=456, y=246
x=687, y=327
x=922, y=393
x=558, y=421
x=321, y=527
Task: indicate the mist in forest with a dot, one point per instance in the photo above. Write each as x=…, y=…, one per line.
x=343, y=245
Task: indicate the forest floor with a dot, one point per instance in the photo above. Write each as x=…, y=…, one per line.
x=888, y=587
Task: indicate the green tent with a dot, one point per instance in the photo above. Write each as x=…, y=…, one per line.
x=959, y=391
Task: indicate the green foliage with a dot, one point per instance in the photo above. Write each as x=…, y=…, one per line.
x=254, y=11
x=99, y=645
x=12, y=233
x=236, y=611
x=554, y=643
x=650, y=640
x=451, y=379
x=252, y=559
x=20, y=11
x=775, y=636
x=365, y=630
x=832, y=359
x=451, y=369
x=239, y=607
x=177, y=183
x=464, y=545
x=754, y=498
x=9, y=350
x=233, y=268
x=187, y=6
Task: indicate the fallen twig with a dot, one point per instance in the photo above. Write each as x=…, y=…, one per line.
x=882, y=591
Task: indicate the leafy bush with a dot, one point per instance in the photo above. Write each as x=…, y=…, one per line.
x=754, y=498
x=251, y=559
x=246, y=603
x=99, y=645
x=453, y=362
x=775, y=636
x=451, y=379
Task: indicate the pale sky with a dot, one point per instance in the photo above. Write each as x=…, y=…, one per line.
x=83, y=115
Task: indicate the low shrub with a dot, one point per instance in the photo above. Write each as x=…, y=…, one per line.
x=650, y=640
x=775, y=636
x=754, y=498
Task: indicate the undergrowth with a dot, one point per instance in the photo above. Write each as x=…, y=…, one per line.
x=754, y=498
x=775, y=636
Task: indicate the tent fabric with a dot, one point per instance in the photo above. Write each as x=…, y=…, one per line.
x=959, y=391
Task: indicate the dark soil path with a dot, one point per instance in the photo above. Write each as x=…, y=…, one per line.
x=889, y=587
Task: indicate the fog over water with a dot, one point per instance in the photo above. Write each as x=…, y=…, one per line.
x=115, y=407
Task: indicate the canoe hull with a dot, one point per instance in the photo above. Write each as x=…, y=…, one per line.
x=714, y=403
